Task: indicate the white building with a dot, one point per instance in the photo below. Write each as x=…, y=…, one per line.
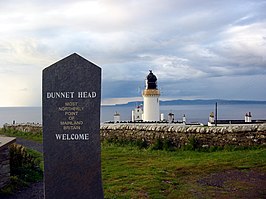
x=184, y=119
x=116, y=117
x=171, y=117
x=248, y=117
x=137, y=114
x=247, y=121
x=151, y=108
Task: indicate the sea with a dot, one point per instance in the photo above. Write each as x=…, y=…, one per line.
x=194, y=113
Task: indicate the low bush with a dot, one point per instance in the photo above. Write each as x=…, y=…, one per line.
x=26, y=166
x=141, y=144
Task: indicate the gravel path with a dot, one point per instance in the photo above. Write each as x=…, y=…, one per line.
x=35, y=191
x=30, y=144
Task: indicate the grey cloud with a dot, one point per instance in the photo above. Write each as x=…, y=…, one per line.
x=187, y=43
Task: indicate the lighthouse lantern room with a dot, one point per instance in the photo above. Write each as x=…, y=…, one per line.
x=151, y=95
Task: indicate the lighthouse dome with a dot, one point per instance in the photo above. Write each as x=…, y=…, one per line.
x=151, y=81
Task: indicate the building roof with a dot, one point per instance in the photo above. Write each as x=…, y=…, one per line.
x=239, y=122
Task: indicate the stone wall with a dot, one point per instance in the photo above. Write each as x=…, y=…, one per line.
x=4, y=167
x=181, y=135
x=28, y=127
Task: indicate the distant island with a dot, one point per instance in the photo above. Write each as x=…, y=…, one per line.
x=194, y=102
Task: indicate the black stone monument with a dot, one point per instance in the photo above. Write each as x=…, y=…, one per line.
x=71, y=129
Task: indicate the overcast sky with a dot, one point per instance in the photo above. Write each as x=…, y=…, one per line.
x=198, y=49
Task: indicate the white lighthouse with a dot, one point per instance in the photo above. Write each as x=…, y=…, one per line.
x=151, y=95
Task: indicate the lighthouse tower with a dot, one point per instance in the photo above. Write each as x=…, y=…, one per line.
x=151, y=99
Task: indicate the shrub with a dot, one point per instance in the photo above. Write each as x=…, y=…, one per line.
x=158, y=145
x=24, y=165
x=192, y=145
x=142, y=144
x=169, y=145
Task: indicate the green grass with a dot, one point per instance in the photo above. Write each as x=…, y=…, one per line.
x=26, y=135
x=134, y=170
x=129, y=172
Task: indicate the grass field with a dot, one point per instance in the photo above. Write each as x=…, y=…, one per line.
x=26, y=135
x=131, y=172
